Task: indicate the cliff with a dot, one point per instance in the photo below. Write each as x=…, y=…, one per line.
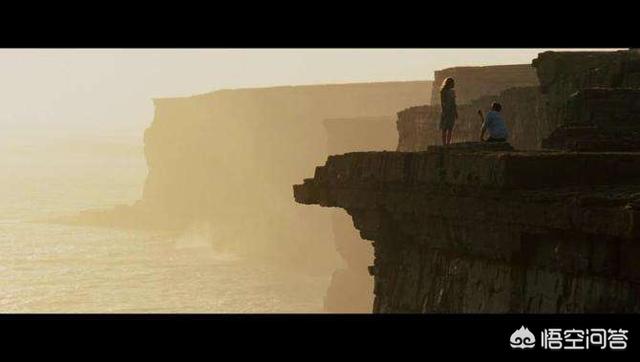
x=476, y=82
x=561, y=74
x=486, y=228
x=223, y=162
x=351, y=288
x=532, y=110
x=523, y=108
x=477, y=228
x=515, y=86
x=599, y=119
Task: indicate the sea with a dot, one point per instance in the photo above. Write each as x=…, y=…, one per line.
x=52, y=268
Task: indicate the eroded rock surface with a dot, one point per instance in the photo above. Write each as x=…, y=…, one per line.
x=351, y=288
x=532, y=110
x=599, y=119
x=464, y=229
x=476, y=82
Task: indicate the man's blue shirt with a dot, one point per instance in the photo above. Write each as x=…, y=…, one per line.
x=495, y=125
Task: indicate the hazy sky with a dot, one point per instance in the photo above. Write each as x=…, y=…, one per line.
x=112, y=88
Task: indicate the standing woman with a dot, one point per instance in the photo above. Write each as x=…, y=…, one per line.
x=449, y=109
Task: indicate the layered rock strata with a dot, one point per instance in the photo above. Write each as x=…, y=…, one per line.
x=484, y=228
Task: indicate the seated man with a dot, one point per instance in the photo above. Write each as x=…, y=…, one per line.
x=494, y=124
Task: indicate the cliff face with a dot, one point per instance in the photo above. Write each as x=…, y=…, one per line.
x=599, y=119
x=351, y=288
x=561, y=74
x=222, y=162
x=515, y=86
x=476, y=82
x=532, y=112
x=523, y=108
x=478, y=228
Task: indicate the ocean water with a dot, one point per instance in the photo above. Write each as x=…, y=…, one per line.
x=48, y=267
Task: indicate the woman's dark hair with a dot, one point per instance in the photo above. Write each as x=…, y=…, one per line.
x=447, y=83
x=495, y=106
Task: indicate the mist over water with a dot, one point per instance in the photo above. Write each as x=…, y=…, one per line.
x=48, y=267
